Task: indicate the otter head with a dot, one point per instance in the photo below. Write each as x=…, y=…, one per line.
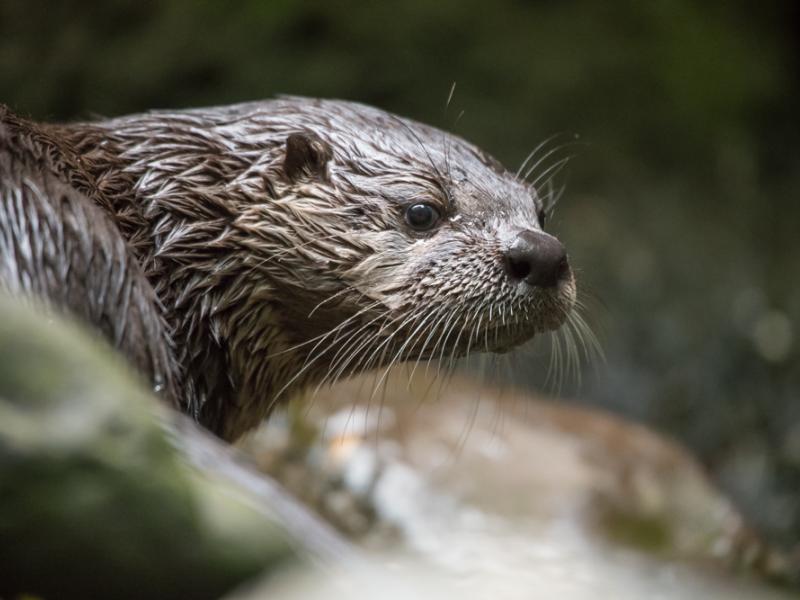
x=402, y=242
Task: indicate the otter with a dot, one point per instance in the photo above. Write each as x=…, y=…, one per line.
x=238, y=254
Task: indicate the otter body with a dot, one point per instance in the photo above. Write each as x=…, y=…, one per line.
x=237, y=254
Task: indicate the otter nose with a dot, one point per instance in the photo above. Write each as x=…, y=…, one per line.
x=537, y=258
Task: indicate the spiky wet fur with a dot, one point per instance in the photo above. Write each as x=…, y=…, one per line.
x=270, y=283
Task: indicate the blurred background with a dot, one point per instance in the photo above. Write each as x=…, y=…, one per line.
x=682, y=206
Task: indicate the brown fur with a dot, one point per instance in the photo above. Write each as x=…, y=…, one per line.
x=273, y=241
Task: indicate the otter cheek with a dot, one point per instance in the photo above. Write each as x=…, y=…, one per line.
x=385, y=274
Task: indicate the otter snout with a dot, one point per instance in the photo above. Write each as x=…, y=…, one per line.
x=536, y=258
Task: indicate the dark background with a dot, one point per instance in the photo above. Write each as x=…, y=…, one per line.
x=682, y=207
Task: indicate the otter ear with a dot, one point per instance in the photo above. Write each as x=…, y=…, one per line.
x=307, y=155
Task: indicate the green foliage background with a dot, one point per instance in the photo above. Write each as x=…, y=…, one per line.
x=682, y=208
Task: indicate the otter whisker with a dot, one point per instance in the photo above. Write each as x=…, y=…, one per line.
x=321, y=337
x=446, y=329
x=500, y=363
x=360, y=338
x=453, y=324
x=541, y=160
x=310, y=360
x=470, y=423
x=349, y=352
x=345, y=290
x=411, y=338
x=591, y=345
x=551, y=171
x=290, y=250
x=554, y=371
x=540, y=146
x=421, y=353
x=573, y=355
x=414, y=337
x=466, y=323
x=308, y=364
x=441, y=181
x=382, y=360
x=459, y=326
x=445, y=143
x=339, y=364
x=449, y=97
x=551, y=197
x=359, y=350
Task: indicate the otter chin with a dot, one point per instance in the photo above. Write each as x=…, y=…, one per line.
x=295, y=241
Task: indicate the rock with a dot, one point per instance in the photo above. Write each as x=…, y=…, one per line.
x=101, y=490
x=505, y=493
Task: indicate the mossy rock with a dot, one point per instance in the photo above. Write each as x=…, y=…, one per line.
x=96, y=496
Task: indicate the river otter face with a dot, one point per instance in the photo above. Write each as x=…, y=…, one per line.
x=412, y=243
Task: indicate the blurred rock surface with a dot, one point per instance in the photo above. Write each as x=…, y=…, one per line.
x=98, y=494
x=507, y=493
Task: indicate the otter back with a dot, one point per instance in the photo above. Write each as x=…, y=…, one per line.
x=59, y=248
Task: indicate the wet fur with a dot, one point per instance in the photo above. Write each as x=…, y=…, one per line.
x=260, y=268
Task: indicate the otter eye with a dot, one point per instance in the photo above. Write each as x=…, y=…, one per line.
x=421, y=216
